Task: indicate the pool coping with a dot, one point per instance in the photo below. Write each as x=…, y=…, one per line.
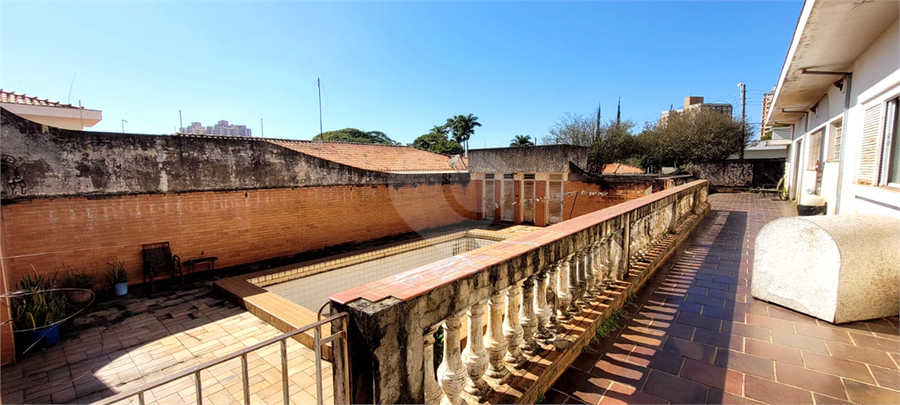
x=248, y=290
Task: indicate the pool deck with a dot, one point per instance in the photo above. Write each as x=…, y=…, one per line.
x=695, y=335
x=136, y=340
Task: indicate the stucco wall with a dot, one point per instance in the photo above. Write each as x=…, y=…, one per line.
x=531, y=159
x=73, y=163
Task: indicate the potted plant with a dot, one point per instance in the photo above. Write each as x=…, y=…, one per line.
x=115, y=270
x=79, y=285
x=39, y=310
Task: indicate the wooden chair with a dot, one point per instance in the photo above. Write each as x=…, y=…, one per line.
x=159, y=260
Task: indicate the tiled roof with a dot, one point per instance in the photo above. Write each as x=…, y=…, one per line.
x=19, y=98
x=621, y=168
x=380, y=158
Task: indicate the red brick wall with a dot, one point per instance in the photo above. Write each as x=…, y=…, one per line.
x=584, y=204
x=237, y=226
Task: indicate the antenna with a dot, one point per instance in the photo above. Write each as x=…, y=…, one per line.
x=80, y=113
x=262, y=130
x=180, y=120
x=68, y=99
x=319, y=82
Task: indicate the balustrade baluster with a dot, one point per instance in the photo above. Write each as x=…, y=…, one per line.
x=574, y=297
x=496, y=342
x=512, y=329
x=433, y=391
x=475, y=356
x=588, y=274
x=562, y=291
x=451, y=372
x=528, y=318
x=543, y=310
x=553, y=293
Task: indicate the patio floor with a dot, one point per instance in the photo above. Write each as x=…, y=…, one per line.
x=695, y=335
x=127, y=342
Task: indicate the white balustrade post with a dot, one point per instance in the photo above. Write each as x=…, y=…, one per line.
x=588, y=272
x=562, y=291
x=451, y=372
x=433, y=391
x=528, y=318
x=574, y=298
x=496, y=342
x=475, y=356
x=512, y=329
x=543, y=310
x=553, y=292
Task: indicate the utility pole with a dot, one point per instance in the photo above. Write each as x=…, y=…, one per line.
x=123, y=126
x=743, y=117
x=261, y=129
x=180, y=121
x=319, y=82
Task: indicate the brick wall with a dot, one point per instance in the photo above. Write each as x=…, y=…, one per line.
x=237, y=226
x=585, y=203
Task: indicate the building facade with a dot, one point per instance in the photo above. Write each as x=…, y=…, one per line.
x=695, y=103
x=839, y=91
x=223, y=128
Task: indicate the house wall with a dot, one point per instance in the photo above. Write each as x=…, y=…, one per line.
x=876, y=77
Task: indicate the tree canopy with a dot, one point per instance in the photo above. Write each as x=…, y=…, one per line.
x=355, y=135
x=463, y=127
x=438, y=142
x=521, y=140
x=686, y=138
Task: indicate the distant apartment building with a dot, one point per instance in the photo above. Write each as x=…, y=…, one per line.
x=223, y=128
x=695, y=103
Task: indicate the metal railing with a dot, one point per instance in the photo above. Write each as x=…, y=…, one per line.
x=341, y=335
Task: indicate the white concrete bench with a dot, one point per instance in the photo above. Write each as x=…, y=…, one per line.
x=838, y=268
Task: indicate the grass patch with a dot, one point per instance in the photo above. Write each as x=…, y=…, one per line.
x=608, y=326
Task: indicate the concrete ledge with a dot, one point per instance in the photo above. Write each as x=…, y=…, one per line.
x=840, y=268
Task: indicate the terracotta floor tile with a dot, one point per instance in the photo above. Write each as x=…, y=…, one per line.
x=869, y=394
x=620, y=371
x=687, y=348
x=886, y=378
x=624, y=394
x=873, y=342
x=720, y=397
x=746, y=363
x=769, y=322
x=717, y=339
x=774, y=393
x=674, y=389
x=861, y=354
x=582, y=386
x=699, y=321
x=750, y=331
x=713, y=376
x=838, y=367
x=809, y=343
x=660, y=360
x=823, y=332
x=772, y=351
x=810, y=380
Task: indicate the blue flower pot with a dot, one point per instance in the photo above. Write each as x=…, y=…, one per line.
x=32, y=340
x=121, y=289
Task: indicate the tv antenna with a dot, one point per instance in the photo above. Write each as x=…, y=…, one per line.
x=319, y=82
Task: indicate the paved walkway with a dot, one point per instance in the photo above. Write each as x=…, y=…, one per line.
x=695, y=335
x=132, y=341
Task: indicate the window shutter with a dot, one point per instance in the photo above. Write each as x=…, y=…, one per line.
x=868, y=148
x=836, y=149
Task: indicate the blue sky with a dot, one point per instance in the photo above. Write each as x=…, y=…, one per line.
x=396, y=67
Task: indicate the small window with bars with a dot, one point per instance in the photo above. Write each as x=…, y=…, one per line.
x=529, y=176
x=508, y=176
x=489, y=176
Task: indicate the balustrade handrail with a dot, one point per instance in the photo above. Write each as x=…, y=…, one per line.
x=574, y=260
x=240, y=353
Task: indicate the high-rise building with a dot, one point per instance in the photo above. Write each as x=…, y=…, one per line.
x=223, y=128
x=695, y=103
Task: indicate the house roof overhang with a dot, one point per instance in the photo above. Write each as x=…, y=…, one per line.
x=829, y=37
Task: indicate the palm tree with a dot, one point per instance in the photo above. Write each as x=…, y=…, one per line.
x=440, y=130
x=521, y=140
x=463, y=127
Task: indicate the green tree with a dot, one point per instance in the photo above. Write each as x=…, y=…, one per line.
x=614, y=143
x=572, y=129
x=686, y=138
x=463, y=127
x=356, y=136
x=521, y=140
x=437, y=141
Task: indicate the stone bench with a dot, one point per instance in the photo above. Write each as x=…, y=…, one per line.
x=838, y=268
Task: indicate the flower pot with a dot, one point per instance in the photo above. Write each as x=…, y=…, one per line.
x=40, y=338
x=121, y=289
x=79, y=297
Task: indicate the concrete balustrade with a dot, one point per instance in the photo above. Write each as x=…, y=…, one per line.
x=544, y=291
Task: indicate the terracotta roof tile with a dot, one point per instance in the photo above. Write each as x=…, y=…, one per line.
x=381, y=158
x=621, y=168
x=19, y=98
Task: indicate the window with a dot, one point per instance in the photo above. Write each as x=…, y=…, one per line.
x=815, y=151
x=891, y=146
x=834, y=144
x=879, y=152
x=508, y=176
